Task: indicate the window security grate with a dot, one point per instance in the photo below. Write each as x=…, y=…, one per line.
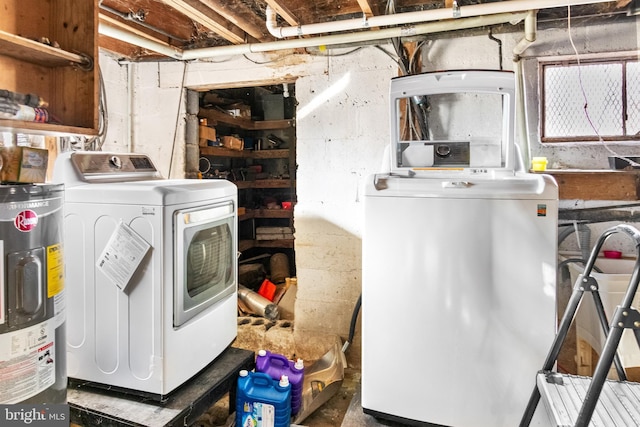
x=609, y=90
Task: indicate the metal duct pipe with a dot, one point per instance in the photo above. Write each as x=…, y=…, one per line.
x=415, y=17
x=387, y=33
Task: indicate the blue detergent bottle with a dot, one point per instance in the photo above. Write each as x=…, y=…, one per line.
x=277, y=365
x=262, y=401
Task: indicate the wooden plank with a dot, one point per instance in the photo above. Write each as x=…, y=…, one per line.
x=273, y=213
x=36, y=52
x=597, y=184
x=282, y=243
x=44, y=128
x=92, y=406
x=214, y=117
x=223, y=152
x=284, y=12
x=76, y=90
x=271, y=154
x=263, y=183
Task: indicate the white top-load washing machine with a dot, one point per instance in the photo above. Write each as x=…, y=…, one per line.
x=150, y=271
x=459, y=258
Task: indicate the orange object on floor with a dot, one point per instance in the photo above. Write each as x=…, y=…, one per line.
x=267, y=289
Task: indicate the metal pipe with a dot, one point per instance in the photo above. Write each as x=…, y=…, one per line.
x=481, y=9
x=387, y=33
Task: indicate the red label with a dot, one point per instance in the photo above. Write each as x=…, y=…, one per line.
x=26, y=220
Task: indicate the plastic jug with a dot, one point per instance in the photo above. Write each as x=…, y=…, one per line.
x=276, y=365
x=262, y=401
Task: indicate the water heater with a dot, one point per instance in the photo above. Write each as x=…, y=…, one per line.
x=32, y=306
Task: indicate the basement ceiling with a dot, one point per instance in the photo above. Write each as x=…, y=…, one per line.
x=194, y=24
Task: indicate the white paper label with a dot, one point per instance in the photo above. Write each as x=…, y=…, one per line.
x=122, y=255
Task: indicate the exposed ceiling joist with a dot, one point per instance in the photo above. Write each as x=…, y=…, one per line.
x=241, y=16
x=285, y=13
x=366, y=8
x=174, y=28
x=206, y=17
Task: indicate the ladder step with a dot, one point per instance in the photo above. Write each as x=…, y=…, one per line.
x=618, y=405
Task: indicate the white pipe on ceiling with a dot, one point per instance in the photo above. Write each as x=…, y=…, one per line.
x=109, y=30
x=415, y=17
x=356, y=37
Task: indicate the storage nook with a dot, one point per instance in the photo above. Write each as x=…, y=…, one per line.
x=247, y=136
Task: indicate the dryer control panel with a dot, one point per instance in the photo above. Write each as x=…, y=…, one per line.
x=97, y=166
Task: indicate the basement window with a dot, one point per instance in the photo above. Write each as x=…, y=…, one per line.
x=590, y=100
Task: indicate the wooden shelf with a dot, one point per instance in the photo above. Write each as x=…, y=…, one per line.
x=215, y=116
x=263, y=183
x=266, y=214
x=273, y=213
x=37, y=53
x=244, y=245
x=20, y=126
x=261, y=154
x=273, y=162
x=599, y=184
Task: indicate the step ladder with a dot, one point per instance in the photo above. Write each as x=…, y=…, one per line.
x=576, y=401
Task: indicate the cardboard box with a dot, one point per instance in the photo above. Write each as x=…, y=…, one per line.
x=232, y=143
x=24, y=164
x=206, y=134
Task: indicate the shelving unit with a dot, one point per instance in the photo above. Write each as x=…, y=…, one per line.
x=65, y=76
x=253, y=189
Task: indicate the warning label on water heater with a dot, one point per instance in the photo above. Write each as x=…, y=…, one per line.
x=27, y=362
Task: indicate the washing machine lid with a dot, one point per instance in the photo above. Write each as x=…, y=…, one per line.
x=458, y=123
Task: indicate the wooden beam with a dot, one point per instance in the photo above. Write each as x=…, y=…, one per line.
x=209, y=19
x=597, y=184
x=366, y=8
x=240, y=15
x=285, y=13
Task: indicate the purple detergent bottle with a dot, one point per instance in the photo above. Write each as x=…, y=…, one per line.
x=276, y=365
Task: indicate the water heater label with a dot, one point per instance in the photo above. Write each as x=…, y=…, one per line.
x=26, y=220
x=55, y=270
x=27, y=362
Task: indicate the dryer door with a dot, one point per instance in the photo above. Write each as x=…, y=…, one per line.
x=205, y=259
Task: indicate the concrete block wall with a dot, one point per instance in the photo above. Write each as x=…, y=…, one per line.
x=281, y=336
x=342, y=133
